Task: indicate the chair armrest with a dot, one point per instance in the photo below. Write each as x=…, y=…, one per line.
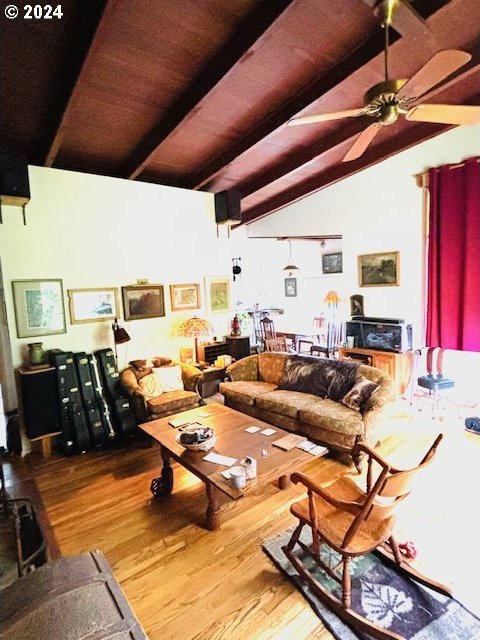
x=192, y=377
x=243, y=369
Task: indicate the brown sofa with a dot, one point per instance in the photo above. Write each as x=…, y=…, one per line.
x=253, y=388
x=145, y=407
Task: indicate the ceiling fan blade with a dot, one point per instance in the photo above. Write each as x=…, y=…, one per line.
x=362, y=142
x=324, y=117
x=439, y=67
x=401, y=16
x=445, y=114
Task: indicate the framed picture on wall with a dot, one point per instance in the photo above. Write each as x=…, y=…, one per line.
x=143, y=301
x=290, y=287
x=217, y=294
x=332, y=263
x=39, y=308
x=93, y=305
x=379, y=269
x=184, y=296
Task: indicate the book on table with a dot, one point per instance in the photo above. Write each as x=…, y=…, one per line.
x=289, y=441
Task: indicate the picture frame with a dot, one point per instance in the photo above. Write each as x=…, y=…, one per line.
x=290, y=287
x=217, y=294
x=93, y=305
x=39, y=307
x=379, y=269
x=356, y=305
x=184, y=296
x=332, y=263
x=143, y=301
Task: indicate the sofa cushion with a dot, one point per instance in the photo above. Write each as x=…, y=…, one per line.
x=169, y=378
x=359, y=393
x=271, y=367
x=245, y=391
x=171, y=401
x=332, y=415
x=286, y=403
x=323, y=377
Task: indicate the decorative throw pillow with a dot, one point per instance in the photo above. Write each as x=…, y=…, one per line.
x=141, y=368
x=169, y=378
x=149, y=386
x=359, y=393
x=160, y=362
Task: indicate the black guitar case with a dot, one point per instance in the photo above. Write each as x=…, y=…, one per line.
x=101, y=398
x=75, y=438
x=123, y=417
x=87, y=392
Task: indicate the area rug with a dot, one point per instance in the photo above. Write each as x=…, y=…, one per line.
x=382, y=595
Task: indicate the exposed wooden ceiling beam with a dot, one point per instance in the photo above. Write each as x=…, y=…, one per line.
x=97, y=18
x=250, y=31
x=356, y=59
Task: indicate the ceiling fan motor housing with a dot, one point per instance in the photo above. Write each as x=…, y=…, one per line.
x=382, y=102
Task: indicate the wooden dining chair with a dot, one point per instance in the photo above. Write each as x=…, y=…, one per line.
x=354, y=522
x=318, y=336
x=276, y=344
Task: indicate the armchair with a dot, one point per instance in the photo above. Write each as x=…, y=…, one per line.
x=161, y=387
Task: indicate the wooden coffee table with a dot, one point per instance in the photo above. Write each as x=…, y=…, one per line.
x=231, y=440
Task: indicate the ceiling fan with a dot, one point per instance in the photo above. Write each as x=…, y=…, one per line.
x=389, y=99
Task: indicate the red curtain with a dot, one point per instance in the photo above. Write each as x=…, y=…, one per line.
x=453, y=300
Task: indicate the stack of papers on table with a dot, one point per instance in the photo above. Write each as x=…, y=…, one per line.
x=311, y=447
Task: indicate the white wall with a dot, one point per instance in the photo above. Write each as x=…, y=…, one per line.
x=377, y=210
x=93, y=231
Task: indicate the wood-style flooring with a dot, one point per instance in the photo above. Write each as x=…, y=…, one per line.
x=185, y=582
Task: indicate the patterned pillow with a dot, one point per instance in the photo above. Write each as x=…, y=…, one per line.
x=150, y=387
x=359, y=393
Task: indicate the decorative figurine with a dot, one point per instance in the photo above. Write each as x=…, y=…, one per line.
x=235, y=326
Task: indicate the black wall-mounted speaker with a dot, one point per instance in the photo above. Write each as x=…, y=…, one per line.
x=14, y=184
x=227, y=207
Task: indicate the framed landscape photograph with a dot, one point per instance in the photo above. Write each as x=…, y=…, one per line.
x=93, y=305
x=39, y=309
x=217, y=294
x=143, y=301
x=379, y=269
x=290, y=287
x=184, y=296
x=332, y=263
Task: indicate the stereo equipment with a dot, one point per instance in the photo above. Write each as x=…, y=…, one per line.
x=227, y=207
x=383, y=334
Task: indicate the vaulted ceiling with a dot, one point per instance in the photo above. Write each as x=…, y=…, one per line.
x=197, y=93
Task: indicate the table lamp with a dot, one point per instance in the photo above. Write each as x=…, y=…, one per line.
x=195, y=328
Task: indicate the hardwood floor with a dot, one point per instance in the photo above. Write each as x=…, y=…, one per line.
x=185, y=582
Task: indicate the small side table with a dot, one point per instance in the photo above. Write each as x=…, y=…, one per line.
x=211, y=377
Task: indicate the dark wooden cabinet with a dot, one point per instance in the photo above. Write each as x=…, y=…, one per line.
x=399, y=366
x=239, y=346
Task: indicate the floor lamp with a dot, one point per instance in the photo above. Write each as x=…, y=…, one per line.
x=120, y=336
x=195, y=328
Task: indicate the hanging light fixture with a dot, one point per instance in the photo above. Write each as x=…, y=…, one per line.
x=290, y=266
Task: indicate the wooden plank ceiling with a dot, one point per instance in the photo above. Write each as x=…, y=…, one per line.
x=197, y=94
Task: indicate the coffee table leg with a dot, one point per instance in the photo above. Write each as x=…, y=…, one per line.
x=213, y=509
x=163, y=485
x=284, y=482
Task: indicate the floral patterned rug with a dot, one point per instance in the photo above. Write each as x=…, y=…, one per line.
x=382, y=595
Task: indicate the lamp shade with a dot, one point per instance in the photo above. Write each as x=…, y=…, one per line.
x=195, y=328
x=119, y=333
x=332, y=297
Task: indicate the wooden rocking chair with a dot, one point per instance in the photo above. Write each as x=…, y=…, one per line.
x=354, y=523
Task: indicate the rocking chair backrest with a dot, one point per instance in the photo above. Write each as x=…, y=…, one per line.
x=391, y=487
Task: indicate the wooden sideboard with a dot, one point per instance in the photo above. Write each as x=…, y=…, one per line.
x=399, y=366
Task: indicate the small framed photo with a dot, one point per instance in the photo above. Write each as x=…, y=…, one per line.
x=290, y=287
x=143, y=301
x=39, y=308
x=379, y=269
x=217, y=290
x=332, y=263
x=93, y=305
x=184, y=296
